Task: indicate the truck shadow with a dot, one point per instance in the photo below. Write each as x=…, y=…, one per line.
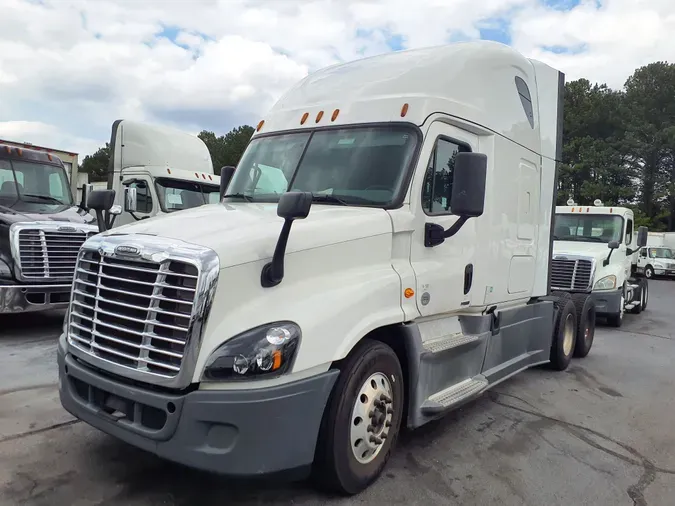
x=46, y=324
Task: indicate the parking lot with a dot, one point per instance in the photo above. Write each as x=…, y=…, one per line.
x=599, y=433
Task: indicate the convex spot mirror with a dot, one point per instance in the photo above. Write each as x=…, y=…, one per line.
x=468, y=187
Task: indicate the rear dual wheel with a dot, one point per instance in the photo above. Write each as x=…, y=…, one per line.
x=564, y=332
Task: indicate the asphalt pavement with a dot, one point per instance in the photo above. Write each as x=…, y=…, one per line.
x=600, y=433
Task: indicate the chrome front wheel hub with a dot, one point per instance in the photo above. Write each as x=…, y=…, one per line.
x=371, y=418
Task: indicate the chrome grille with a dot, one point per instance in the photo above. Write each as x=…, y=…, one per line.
x=571, y=274
x=135, y=313
x=49, y=253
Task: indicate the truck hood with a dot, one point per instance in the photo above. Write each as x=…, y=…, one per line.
x=69, y=214
x=595, y=250
x=247, y=232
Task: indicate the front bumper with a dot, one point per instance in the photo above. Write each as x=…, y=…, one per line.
x=242, y=433
x=25, y=298
x=607, y=302
x=664, y=272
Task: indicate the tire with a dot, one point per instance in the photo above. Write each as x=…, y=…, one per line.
x=645, y=293
x=616, y=320
x=336, y=467
x=649, y=272
x=638, y=309
x=585, y=307
x=564, y=332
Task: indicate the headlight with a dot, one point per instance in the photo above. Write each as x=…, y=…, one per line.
x=263, y=352
x=606, y=283
x=5, y=271
x=658, y=265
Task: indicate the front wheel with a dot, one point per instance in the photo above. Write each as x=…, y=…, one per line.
x=649, y=272
x=362, y=420
x=616, y=320
x=585, y=324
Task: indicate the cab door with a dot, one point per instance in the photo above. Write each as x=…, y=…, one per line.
x=147, y=204
x=444, y=272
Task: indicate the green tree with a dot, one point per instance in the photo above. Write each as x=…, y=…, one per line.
x=96, y=165
x=594, y=159
x=227, y=149
x=650, y=140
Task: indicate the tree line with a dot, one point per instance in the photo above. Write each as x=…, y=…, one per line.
x=618, y=146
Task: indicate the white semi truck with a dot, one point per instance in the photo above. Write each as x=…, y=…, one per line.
x=393, y=264
x=595, y=252
x=167, y=170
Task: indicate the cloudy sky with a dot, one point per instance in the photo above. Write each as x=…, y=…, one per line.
x=69, y=68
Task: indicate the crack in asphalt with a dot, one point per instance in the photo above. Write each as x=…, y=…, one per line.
x=14, y=437
x=649, y=469
x=25, y=389
x=646, y=334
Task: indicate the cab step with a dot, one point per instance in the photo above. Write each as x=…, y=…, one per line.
x=631, y=305
x=441, y=344
x=456, y=394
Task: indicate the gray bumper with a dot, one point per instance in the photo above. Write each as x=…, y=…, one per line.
x=25, y=298
x=607, y=302
x=243, y=433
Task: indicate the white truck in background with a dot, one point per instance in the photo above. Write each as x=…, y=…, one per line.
x=657, y=258
x=167, y=170
x=394, y=265
x=595, y=250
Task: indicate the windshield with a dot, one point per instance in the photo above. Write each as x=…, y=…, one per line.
x=660, y=253
x=347, y=166
x=588, y=228
x=175, y=195
x=33, y=187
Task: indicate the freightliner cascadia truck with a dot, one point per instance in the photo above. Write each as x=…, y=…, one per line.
x=380, y=255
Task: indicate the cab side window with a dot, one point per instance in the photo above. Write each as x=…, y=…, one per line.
x=437, y=187
x=643, y=252
x=629, y=232
x=143, y=197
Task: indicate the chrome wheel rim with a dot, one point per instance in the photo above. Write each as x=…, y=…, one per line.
x=568, y=335
x=371, y=418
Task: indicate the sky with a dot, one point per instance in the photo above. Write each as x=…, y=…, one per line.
x=69, y=68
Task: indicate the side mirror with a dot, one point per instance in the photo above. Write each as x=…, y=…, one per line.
x=467, y=199
x=100, y=201
x=226, y=174
x=292, y=206
x=86, y=191
x=612, y=245
x=130, y=201
x=468, y=186
x=642, y=237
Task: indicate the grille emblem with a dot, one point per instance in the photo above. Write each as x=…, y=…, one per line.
x=128, y=250
x=67, y=229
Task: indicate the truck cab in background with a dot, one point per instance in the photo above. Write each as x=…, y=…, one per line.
x=155, y=170
x=657, y=258
x=41, y=231
x=595, y=250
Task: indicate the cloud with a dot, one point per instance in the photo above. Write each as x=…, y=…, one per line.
x=69, y=68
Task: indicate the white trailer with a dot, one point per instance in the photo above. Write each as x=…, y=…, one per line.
x=167, y=169
x=381, y=255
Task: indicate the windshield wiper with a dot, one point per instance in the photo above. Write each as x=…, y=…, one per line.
x=247, y=198
x=43, y=197
x=328, y=199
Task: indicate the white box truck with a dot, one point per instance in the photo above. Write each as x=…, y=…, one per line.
x=381, y=255
x=167, y=170
x=658, y=257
